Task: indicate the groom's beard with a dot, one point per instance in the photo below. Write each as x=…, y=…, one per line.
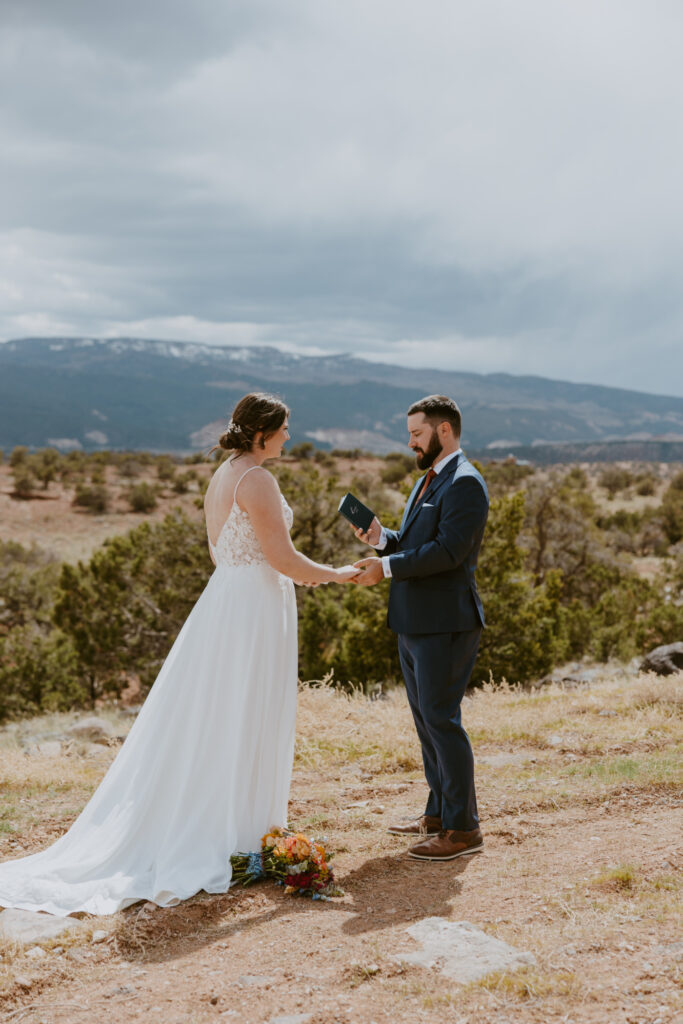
x=425, y=459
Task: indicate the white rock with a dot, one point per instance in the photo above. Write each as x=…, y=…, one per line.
x=99, y=936
x=291, y=1018
x=26, y=926
x=47, y=749
x=461, y=951
x=98, y=730
x=255, y=980
x=36, y=953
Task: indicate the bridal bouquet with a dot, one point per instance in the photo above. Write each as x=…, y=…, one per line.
x=293, y=860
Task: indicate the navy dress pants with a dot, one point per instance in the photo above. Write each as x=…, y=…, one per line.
x=437, y=668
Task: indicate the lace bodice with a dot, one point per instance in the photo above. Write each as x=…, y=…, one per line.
x=237, y=543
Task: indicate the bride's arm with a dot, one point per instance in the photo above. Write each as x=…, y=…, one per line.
x=259, y=496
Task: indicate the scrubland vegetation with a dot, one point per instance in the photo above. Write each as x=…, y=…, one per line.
x=578, y=563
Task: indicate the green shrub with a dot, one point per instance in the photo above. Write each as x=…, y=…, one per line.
x=94, y=498
x=646, y=485
x=304, y=450
x=182, y=481
x=142, y=497
x=38, y=672
x=504, y=477
x=24, y=482
x=346, y=630
x=615, y=479
x=45, y=465
x=396, y=468
x=577, y=478
x=323, y=458
x=526, y=629
x=130, y=468
x=165, y=467
x=123, y=609
x=18, y=456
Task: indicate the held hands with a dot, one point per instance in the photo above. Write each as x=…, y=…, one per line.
x=369, y=571
x=357, y=573
x=347, y=574
x=344, y=574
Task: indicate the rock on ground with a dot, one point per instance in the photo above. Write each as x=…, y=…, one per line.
x=28, y=926
x=49, y=748
x=255, y=980
x=95, y=729
x=291, y=1018
x=461, y=951
x=664, y=660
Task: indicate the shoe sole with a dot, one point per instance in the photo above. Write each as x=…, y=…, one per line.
x=452, y=856
x=398, y=832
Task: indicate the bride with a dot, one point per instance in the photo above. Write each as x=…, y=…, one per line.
x=206, y=768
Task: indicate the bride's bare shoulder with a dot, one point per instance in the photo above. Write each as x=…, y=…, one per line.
x=259, y=485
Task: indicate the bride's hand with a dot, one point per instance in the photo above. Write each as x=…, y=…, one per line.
x=346, y=573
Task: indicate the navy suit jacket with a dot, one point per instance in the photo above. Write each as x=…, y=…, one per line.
x=434, y=554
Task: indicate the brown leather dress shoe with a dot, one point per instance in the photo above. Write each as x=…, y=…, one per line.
x=448, y=844
x=423, y=826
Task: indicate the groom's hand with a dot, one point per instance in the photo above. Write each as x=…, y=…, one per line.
x=372, y=535
x=372, y=572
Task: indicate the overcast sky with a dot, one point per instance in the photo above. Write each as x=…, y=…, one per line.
x=486, y=186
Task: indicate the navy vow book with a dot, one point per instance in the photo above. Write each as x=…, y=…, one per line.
x=358, y=514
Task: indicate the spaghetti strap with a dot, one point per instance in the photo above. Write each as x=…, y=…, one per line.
x=234, y=493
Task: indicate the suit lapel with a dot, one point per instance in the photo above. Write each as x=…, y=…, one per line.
x=431, y=492
x=409, y=504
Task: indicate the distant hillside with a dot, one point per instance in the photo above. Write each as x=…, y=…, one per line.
x=173, y=396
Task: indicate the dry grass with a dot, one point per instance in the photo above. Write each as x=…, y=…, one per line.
x=338, y=728
x=529, y=983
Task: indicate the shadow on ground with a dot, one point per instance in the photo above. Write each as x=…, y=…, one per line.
x=384, y=893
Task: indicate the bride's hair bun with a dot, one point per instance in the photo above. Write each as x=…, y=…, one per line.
x=233, y=437
x=257, y=412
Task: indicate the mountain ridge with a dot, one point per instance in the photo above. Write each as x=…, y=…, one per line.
x=162, y=395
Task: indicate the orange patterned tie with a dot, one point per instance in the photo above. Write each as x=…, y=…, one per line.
x=428, y=479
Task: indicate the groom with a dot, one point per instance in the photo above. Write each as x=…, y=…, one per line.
x=436, y=611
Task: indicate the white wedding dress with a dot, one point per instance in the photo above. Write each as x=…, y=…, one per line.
x=206, y=768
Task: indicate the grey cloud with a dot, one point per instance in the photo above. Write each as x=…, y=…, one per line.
x=493, y=186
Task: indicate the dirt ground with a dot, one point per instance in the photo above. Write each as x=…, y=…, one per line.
x=580, y=803
x=50, y=519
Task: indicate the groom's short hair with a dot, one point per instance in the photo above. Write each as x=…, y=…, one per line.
x=438, y=408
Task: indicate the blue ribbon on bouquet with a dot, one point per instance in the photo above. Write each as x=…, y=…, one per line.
x=255, y=865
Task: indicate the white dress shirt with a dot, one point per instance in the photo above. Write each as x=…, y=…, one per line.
x=382, y=543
